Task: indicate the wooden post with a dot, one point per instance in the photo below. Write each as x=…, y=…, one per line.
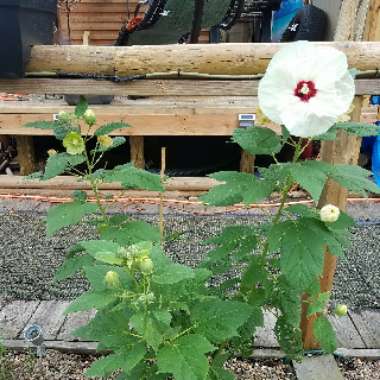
x=137, y=151
x=26, y=155
x=247, y=162
x=344, y=150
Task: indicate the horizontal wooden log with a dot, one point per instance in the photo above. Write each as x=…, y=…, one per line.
x=170, y=87
x=195, y=184
x=230, y=59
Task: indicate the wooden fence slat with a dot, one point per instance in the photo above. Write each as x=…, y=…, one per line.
x=49, y=315
x=15, y=316
x=347, y=335
x=170, y=87
x=73, y=322
x=367, y=323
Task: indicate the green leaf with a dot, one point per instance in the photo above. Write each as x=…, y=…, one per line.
x=168, y=273
x=92, y=300
x=317, y=303
x=289, y=338
x=325, y=334
x=219, y=320
x=303, y=211
x=354, y=178
x=67, y=214
x=116, y=142
x=302, y=251
x=217, y=372
x=359, y=129
x=103, y=250
x=125, y=231
x=59, y=163
x=42, y=124
x=81, y=107
x=185, y=358
x=237, y=187
x=132, y=178
x=126, y=361
x=152, y=326
x=110, y=127
x=72, y=265
x=257, y=140
x=255, y=274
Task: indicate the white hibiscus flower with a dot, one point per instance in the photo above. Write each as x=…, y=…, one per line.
x=306, y=88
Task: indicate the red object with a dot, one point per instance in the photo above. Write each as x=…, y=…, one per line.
x=135, y=21
x=308, y=153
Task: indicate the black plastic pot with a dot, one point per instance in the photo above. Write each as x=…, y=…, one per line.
x=24, y=23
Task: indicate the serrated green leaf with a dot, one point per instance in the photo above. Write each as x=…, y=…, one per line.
x=132, y=178
x=217, y=371
x=42, y=124
x=317, y=303
x=59, y=163
x=152, y=326
x=302, y=251
x=325, y=334
x=126, y=361
x=92, y=300
x=257, y=140
x=168, y=273
x=81, y=107
x=103, y=250
x=303, y=211
x=116, y=142
x=67, y=214
x=359, y=129
x=237, y=187
x=124, y=231
x=72, y=265
x=110, y=127
x=219, y=320
x=185, y=358
x=289, y=338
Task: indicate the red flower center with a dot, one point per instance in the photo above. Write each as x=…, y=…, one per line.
x=305, y=90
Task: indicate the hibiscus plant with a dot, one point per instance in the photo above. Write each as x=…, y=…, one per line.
x=160, y=319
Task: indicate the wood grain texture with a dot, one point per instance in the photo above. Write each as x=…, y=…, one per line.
x=367, y=322
x=347, y=335
x=231, y=59
x=170, y=87
x=15, y=316
x=73, y=322
x=49, y=315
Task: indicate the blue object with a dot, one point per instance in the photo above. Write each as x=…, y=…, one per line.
x=376, y=158
x=375, y=100
x=283, y=16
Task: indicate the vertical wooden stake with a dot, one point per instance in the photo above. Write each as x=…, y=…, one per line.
x=344, y=150
x=247, y=162
x=137, y=151
x=162, y=175
x=26, y=155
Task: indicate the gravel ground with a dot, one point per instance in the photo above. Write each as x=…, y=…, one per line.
x=58, y=366
x=28, y=259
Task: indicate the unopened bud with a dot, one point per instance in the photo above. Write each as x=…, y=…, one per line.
x=329, y=214
x=341, y=310
x=112, y=279
x=51, y=152
x=89, y=117
x=146, y=265
x=105, y=141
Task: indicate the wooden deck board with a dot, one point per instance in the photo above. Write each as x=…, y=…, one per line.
x=318, y=368
x=73, y=322
x=265, y=336
x=367, y=322
x=15, y=316
x=346, y=332
x=49, y=315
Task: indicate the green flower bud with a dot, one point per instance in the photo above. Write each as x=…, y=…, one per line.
x=341, y=310
x=51, y=152
x=329, y=214
x=112, y=279
x=146, y=265
x=89, y=117
x=146, y=298
x=64, y=116
x=74, y=143
x=105, y=141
